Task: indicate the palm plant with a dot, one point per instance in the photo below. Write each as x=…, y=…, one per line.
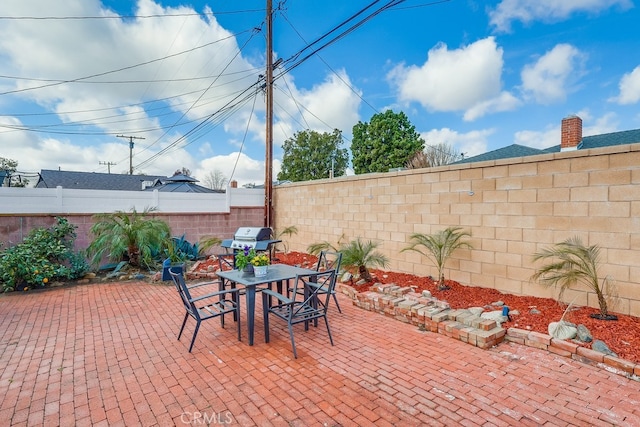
x=133, y=234
x=572, y=263
x=316, y=248
x=359, y=255
x=438, y=247
x=287, y=231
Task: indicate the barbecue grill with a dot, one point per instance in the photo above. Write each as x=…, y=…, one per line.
x=258, y=238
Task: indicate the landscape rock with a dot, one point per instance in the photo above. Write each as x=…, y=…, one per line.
x=497, y=303
x=346, y=277
x=426, y=294
x=494, y=315
x=514, y=312
x=562, y=330
x=601, y=347
x=535, y=311
x=584, y=334
x=476, y=311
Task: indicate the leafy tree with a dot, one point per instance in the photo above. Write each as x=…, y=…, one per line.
x=10, y=166
x=388, y=141
x=134, y=235
x=311, y=155
x=432, y=156
x=438, y=247
x=361, y=256
x=572, y=262
x=183, y=171
x=45, y=255
x=215, y=180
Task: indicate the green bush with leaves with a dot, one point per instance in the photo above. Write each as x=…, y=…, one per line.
x=45, y=255
x=438, y=247
x=133, y=235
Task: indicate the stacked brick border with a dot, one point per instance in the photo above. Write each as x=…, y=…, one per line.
x=436, y=316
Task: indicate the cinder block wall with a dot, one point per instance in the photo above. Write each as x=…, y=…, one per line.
x=512, y=208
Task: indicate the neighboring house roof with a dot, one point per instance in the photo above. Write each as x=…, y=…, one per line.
x=93, y=180
x=112, y=181
x=594, y=141
x=181, y=184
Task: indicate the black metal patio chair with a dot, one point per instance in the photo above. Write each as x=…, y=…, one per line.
x=316, y=289
x=208, y=306
x=327, y=260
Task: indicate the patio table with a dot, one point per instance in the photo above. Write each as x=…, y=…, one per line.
x=277, y=273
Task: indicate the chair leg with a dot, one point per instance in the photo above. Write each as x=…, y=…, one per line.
x=195, y=332
x=293, y=342
x=237, y=314
x=328, y=330
x=335, y=298
x=265, y=316
x=186, y=316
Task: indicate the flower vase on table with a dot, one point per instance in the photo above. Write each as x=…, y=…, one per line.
x=260, y=270
x=260, y=265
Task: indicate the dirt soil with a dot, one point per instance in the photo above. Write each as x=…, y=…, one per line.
x=622, y=335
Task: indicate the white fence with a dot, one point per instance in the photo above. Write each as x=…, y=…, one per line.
x=72, y=201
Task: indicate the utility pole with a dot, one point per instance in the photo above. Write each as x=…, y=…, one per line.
x=109, y=164
x=268, y=175
x=131, y=138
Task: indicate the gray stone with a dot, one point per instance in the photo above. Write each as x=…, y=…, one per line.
x=562, y=330
x=535, y=311
x=514, y=312
x=426, y=294
x=494, y=315
x=601, y=347
x=497, y=303
x=346, y=277
x=477, y=311
x=584, y=334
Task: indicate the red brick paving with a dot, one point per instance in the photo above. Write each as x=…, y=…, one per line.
x=107, y=355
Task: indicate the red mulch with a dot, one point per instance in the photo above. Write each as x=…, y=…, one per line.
x=622, y=335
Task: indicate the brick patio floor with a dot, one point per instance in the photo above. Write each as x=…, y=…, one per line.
x=107, y=354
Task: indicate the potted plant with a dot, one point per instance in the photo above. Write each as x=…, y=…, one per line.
x=244, y=257
x=260, y=264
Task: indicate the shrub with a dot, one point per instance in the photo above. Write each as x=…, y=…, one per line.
x=46, y=254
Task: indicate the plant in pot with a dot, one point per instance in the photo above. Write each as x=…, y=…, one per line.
x=260, y=264
x=572, y=262
x=243, y=259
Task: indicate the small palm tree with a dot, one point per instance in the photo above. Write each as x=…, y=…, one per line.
x=278, y=234
x=316, y=248
x=438, y=247
x=133, y=234
x=573, y=262
x=361, y=256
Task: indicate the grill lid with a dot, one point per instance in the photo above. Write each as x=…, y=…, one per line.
x=252, y=234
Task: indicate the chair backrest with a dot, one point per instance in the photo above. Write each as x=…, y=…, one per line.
x=226, y=262
x=328, y=260
x=318, y=287
x=183, y=291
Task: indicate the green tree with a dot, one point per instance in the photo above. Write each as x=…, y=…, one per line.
x=311, y=155
x=388, y=141
x=9, y=167
x=572, y=262
x=134, y=234
x=360, y=255
x=438, y=247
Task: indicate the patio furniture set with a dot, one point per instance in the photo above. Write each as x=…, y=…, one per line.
x=302, y=295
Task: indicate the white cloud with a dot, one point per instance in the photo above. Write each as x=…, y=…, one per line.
x=629, y=88
x=470, y=143
x=462, y=79
x=238, y=167
x=505, y=101
x=527, y=11
x=549, y=79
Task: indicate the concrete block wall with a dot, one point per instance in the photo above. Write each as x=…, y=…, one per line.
x=512, y=207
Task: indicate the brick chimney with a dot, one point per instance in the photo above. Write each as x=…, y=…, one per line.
x=234, y=184
x=571, y=133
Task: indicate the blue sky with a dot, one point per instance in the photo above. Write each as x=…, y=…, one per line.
x=183, y=76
